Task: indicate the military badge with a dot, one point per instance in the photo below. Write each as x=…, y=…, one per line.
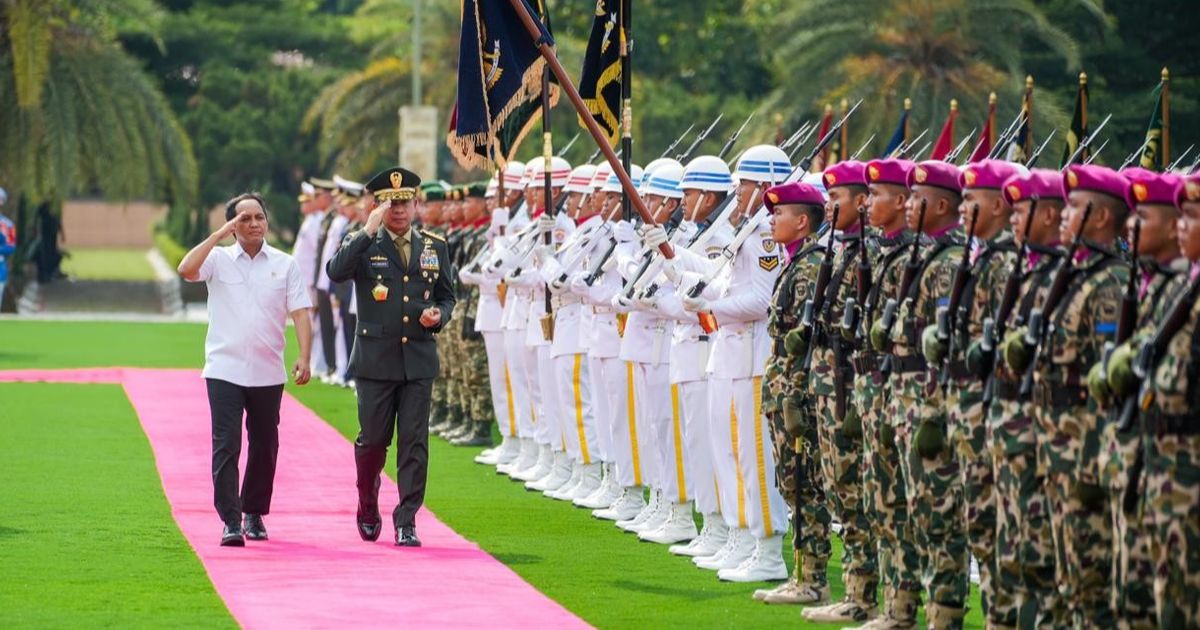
x=830, y=180
x=768, y=263
x=1014, y=191
x=1072, y=179
x=873, y=172
x=969, y=177
x=772, y=197
x=1192, y=191
x=1139, y=192
x=380, y=291
x=769, y=244
x=429, y=260
x=919, y=175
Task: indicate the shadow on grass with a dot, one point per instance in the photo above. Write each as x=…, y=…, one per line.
x=518, y=558
x=11, y=532
x=658, y=588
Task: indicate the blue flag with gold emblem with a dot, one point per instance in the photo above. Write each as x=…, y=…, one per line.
x=600, y=81
x=499, y=83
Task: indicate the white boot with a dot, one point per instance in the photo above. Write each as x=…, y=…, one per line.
x=656, y=519
x=510, y=450
x=712, y=537
x=651, y=509
x=765, y=563
x=718, y=556
x=559, y=474
x=678, y=527
x=627, y=506
x=741, y=547
x=589, y=482
x=527, y=453
x=563, y=492
x=608, y=490
x=540, y=467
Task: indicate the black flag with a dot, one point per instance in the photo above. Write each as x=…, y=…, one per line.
x=600, y=82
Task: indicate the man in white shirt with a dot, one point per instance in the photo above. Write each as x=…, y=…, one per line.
x=252, y=289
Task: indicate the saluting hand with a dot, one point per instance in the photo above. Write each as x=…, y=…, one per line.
x=227, y=229
x=431, y=317
x=375, y=219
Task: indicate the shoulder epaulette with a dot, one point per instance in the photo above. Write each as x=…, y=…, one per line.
x=433, y=236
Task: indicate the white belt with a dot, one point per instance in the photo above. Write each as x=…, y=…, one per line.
x=562, y=300
x=602, y=310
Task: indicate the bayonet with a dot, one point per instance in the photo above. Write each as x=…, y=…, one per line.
x=953, y=155
x=677, y=141
x=863, y=147
x=1095, y=154
x=1087, y=142
x=1033, y=158
x=682, y=157
x=567, y=147
x=732, y=139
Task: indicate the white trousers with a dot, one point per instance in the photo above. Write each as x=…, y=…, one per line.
x=627, y=438
x=547, y=428
x=700, y=482
x=517, y=354
x=652, y=390
x=606, y=375
x=500, y=380
x=577, y=419
x=760, y=506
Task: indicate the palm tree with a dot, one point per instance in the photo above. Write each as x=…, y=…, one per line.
x=929, y=50
x=77, y=114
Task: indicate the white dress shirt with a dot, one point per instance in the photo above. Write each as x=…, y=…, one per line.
x=249, y=300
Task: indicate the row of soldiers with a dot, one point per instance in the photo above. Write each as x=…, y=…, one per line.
x=946, y=362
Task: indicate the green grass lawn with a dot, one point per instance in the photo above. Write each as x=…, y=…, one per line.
x=607, y=577
x=86, y=534
x=108, y=264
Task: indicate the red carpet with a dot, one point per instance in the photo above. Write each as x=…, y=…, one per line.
x=314, y=572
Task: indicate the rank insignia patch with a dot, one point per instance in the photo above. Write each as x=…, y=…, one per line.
x=768, y=263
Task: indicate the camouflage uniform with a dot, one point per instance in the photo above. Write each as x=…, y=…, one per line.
x=780, y=387
x=1171, y=499
x=841, y=456
x=1133, y=565
x=450, y=341
x=1025, y=561
x=984, y=288
x=884, y=494
x=474, y=388
x=934, y=488
x=1067, y=422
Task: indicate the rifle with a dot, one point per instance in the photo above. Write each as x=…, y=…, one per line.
x=1127, y=322
x=682, y=157
x=948, y=320
x=732, y=139
x=911, y=267
x=857, y=304
x=672, y=146
x=1179, y=160
x=903, y=149
x=1033, y=157
x=1012, y=287
x=815, y=304
x=803, y=141
x=1039, y=319
x=1133, y=156
x=1095, y=154
x=791, y=140
x=953, y=155
x=748, y=226
x=563, y=151
x=862, y=148
x=1007, y=137
x=1087, y=142
x=1145, y=363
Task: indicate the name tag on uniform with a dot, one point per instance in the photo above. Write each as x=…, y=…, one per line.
x=378, y=262
x=429, y=260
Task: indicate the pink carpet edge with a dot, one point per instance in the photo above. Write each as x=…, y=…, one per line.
x=315, y=572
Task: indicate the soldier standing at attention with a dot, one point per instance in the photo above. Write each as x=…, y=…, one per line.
x=402, y=280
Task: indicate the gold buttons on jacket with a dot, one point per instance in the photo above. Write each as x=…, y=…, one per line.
x=406, y=298
x=406, y=319
x=406, y=278
x=404, y=340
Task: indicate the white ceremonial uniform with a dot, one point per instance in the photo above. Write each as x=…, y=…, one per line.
x=489, y=324
x=307, y=259
x=737, y=362
x=602, y=341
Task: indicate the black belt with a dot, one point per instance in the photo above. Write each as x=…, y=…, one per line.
x=958, y=370
x=865, y=362
x=1171, y=424
x=1058, y=395
x=911, y=363
x=1007, y=390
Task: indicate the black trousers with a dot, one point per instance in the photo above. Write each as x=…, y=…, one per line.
x=227, y=403
x=328, y=330
x=387, y=408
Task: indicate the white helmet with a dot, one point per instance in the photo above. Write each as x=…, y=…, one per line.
x=493, y=187
x=603, y=170
x=664, y=179
x=816, y=181
x=612, y=184
x=513, y=171
x=707, y=172
x=580, y=180
x=560, y=172
x=764, y=163
x=651, y=167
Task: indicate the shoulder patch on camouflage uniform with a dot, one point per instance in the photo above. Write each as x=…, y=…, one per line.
x=768, y=263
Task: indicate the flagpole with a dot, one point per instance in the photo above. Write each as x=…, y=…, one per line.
x=1027, y=150
x=626, y=102
x=1083, y=103
x=542, y=41
x=844, y=150
x=1166, y=118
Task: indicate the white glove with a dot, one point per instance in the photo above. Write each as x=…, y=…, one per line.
x=624, y=232
x=579, y=284
x=545, y=223
x=653, y=236
x=695, y=304
x=648, y=301
x=499, y=219
x=543, y=252
x=622, y=303
x=557, y=285
x=685, y=231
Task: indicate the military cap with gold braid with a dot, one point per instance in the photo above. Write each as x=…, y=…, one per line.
x=394, y=184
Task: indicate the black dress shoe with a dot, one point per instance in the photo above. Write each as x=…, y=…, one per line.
x=231, y=536
x=369, y=527
x=253, y=525
x=407, y=537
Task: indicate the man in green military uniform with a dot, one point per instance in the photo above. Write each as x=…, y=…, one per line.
x=402, y=284
x=796, y=214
